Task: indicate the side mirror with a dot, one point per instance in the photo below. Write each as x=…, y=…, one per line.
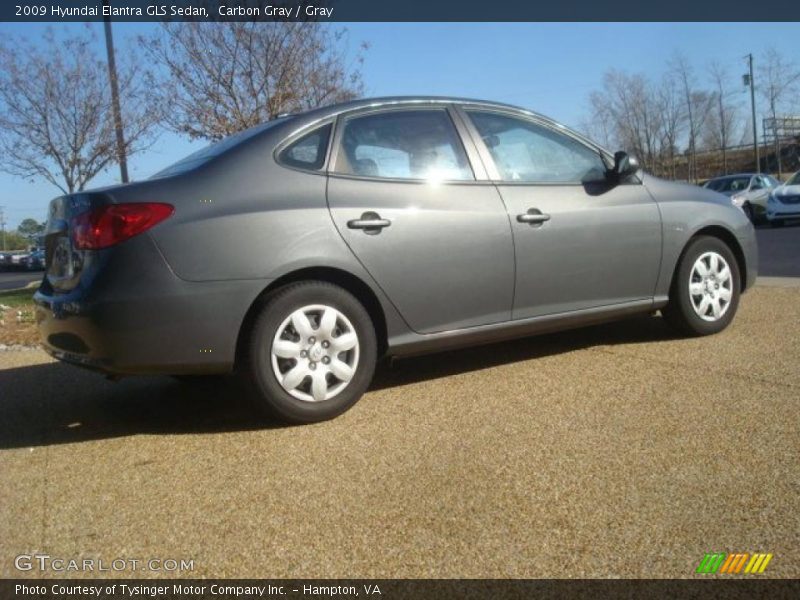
x=624, y=165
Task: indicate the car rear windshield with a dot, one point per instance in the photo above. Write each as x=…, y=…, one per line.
x=204, y=155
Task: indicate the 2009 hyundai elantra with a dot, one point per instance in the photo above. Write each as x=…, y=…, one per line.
x=300, y=251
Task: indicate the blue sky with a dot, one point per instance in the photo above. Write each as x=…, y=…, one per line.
x=548, y=67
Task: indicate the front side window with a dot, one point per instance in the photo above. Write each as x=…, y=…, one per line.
x=526, y=152
x=309, y=151
x=403, y=144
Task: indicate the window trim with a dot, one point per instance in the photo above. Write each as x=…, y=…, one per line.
x=478, y=173
x=486, y=156
x=303, y=131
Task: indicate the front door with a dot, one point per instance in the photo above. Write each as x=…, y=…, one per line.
x=580, y=242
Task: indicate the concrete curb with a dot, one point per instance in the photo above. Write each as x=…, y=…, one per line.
x=18, y=347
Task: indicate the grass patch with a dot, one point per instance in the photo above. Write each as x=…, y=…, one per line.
x=17, y=321
x=17, y=298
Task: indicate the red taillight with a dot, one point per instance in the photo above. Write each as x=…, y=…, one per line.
x=114, y=223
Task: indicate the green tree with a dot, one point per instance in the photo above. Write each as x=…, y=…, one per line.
x=30, y=228
x=15, y=241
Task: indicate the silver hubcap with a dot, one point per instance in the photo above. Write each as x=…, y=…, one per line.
x=315, y=353
x=710, y=286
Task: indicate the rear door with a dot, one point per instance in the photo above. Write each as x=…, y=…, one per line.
x=580, y=242
x=404, y=195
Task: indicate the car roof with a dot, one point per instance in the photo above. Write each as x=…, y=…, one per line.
x=341, y=107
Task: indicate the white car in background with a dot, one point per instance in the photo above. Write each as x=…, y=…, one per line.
x=748, y=191
x=784, y=202
x=18, y=260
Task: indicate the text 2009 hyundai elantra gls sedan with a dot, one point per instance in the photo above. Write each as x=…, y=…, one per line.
x=301, y=250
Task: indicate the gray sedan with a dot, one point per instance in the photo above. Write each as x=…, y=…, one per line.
x=298, y=252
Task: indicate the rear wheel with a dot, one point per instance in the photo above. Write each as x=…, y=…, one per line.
x=312, y=352
x=705, y=289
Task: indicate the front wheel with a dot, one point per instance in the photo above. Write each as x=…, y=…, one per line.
x=705, y=289
x=749, y=212
x=312, y=352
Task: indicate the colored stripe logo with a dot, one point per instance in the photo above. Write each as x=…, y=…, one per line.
x=734, y=563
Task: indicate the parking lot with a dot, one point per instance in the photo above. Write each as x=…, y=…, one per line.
x=779, y=250
x=607, y=452
x=10, y=280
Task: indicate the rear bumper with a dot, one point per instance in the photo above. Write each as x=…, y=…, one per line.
x=136, y=317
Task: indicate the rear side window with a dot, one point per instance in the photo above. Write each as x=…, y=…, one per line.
x=525, y=152
x=403, y=144
x=309, y=151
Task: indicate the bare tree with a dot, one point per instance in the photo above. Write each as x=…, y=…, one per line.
x=673, y=120
x=596, y=128
x=222, y=78
x=722, y=119
x=55, y=111
x=599, y=125
x=698, y=104
x=777, y=83
x=626, y=110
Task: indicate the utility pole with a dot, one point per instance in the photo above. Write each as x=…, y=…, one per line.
x=777, y=143
x=749, y=80
x=112, y=75
x=3, y=227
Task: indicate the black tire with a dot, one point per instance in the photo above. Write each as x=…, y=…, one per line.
x=749, y=212
x=776, y=223
x=680, y=312
x=268, y=393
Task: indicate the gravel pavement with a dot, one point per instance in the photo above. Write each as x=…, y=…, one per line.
x=614, y=451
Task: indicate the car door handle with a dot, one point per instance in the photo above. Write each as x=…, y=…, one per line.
x=370, y=222
x=533, y=216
